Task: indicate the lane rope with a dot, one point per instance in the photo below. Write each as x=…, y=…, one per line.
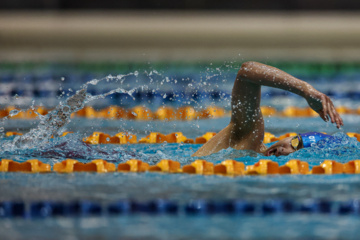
x=166, y=113
x=86, y=208
x=227, y=167
x=157, y=137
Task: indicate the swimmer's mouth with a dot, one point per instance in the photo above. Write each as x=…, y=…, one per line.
x=271, y=152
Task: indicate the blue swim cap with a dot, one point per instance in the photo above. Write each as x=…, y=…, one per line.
x=311, y=138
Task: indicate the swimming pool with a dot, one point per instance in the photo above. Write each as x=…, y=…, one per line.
x=105, y=189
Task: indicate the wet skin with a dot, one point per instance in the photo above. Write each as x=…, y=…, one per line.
x=282, y=147
x=246, y=127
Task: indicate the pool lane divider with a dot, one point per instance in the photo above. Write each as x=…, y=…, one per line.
x=196, y=207
x=157, y=137
x=227, y=167
x=166, y=113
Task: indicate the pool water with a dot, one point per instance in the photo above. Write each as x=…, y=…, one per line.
x=182, y=188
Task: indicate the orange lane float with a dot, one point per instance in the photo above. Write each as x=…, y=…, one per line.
x=140, y=113
x=204, y=138
x=328, y=167
x=99, y=138
x=65, y=133
x=199, y=167
x=290, y=134
x=227, y=167
x=211, y=112
x=30, y=113
x=4, y=113
x=155, y=137
x=263, y=167
x=72, y=165
x=19, y=115
x=133, y=165
x=294, y=166
x=268, y=138
x=103, y=138
x=166, y=165
x=165, y=114
x=352, y=167
x=267, y=111
x=30, y=166
x=298, y=112
x=112, y=112
x=186, y=113
x=125, y=138
x=344, y=110
x=87, y=112
x=352, y=134
x=9, y=134
x=230, y=167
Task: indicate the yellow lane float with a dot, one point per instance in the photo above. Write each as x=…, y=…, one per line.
x=166, y=165
x=204, y=138
x=133, y=165
x=294, y=166
x=263, y=167
x=352, y=167
x=199, y=167
x=328, y=167
x=230, y=167
x=103, y=138
x=155, y=137
x=30, y=166
x=71, y=165
x=165, y=114
x=140, y=113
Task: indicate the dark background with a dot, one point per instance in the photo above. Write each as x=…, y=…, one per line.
x=288, y=5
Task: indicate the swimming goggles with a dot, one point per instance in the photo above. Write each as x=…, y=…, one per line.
x=295, y=142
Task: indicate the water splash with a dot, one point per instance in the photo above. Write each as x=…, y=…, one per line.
x=14, y=112
x=59, y=148
x=53, y=123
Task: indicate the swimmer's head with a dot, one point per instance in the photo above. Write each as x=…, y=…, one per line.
x=284, y=147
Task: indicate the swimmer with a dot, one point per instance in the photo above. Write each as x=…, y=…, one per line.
x=246, y=127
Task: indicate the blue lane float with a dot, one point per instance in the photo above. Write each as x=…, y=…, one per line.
x=11, y=209
x=47, y=209
x=159, y=206
x=277, y=206
x=120, y=207
x=197, y=207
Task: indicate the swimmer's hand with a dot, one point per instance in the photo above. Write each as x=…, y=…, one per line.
x=323, y=105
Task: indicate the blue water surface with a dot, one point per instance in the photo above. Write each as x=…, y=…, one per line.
x=106, y=188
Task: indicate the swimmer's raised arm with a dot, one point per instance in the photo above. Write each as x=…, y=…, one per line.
x=262, y=74
x=246, y=127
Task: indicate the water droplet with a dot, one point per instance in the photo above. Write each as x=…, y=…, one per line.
x=14, y=112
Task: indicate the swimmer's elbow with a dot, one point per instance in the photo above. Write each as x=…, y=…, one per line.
x=245, y=68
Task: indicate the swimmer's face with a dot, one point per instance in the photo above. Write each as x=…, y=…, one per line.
x=282, y=147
